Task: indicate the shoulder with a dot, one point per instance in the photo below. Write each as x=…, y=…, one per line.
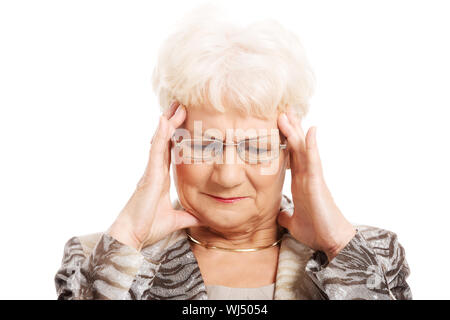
x=370, y=245
x=87, y=243
x=384, y=242
x=82, y=244
x=373, y=233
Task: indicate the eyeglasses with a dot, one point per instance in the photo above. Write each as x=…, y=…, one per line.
x=254, y=150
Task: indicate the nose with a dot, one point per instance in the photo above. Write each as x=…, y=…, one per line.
x=230, y=171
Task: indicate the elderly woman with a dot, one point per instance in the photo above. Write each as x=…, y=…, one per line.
x=233, y=98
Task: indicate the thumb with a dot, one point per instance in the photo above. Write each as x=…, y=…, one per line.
x=184, y=219
x=285, y=219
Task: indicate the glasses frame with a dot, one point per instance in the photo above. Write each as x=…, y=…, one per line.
x=237, y=144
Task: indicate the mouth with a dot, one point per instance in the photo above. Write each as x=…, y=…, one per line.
x=226, y=200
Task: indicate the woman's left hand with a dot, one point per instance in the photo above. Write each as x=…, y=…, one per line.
x=316, y=222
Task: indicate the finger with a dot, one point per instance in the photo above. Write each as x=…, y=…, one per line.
x=177, y=119
x=314, y=164
x=284, y=219
x=155, y=160
x=159, y=146
x=296, y=144
x=184, y=219
x=296, y=122
x=168, y=114
x=171, y=110
x=287, y=129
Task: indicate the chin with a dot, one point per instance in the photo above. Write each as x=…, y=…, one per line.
x=223, y=220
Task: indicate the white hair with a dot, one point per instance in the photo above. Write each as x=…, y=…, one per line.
x=211, y=61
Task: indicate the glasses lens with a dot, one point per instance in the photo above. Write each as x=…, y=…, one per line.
x=261, y=149
x=200, y=149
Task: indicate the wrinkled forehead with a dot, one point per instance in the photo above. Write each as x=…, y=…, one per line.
x=231, y=124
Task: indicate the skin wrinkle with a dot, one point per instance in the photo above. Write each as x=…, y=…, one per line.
x=342, y=279
x=248, y=223
x=187, y=178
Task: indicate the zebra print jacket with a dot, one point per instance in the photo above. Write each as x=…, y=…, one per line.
x=97, y=266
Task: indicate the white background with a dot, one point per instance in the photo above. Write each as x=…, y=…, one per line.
x=77, y=114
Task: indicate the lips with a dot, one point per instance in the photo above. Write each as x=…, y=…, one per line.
x=227, y=200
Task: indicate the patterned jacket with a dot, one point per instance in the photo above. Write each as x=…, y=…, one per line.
x=97, y=266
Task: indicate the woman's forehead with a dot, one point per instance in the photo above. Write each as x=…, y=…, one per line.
x=209, y=120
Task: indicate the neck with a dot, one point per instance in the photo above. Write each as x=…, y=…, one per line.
x=259, y=237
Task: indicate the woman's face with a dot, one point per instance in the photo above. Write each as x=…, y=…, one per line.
x=257, y=185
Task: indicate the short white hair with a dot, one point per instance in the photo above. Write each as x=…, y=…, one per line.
x=260, y=69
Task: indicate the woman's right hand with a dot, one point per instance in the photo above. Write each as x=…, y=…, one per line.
x=149, y=215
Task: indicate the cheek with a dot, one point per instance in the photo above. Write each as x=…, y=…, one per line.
x=268, y=177
x=189, y=177
x=269, y=188
x=189, y=181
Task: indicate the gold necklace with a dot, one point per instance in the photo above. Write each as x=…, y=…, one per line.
x=229, y=249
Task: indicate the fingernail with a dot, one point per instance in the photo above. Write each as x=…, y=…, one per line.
x=284, y=117
x=170, y=107
x=179, y=109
